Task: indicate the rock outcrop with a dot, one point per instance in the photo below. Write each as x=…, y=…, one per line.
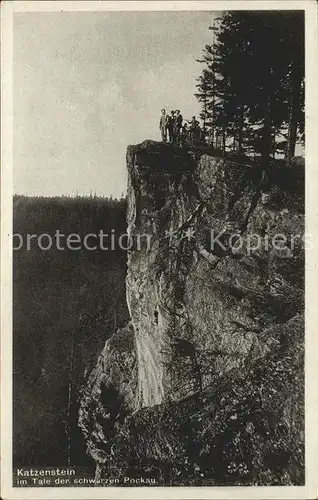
x=205, y=385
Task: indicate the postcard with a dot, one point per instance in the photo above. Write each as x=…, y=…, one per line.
x=158, y=250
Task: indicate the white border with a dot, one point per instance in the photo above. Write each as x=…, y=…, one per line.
x=262, y=492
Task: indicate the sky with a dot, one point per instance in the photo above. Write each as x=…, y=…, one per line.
x=88, y=84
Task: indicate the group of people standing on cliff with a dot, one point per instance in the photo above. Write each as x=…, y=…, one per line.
x=177, y=131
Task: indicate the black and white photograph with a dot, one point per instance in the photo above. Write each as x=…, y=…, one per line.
x=158, y=236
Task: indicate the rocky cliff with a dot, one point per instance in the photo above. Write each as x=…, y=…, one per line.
x=205, y=384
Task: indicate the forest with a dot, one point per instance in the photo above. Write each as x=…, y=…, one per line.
x=251, y=87
x=66, y=304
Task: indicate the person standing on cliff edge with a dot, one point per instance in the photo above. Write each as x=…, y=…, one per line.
x=163, y=125
x=178, y=120
x=171, y=127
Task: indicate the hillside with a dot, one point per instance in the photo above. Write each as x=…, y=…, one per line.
x=66, y=304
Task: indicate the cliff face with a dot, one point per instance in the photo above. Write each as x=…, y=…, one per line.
x=211, y=365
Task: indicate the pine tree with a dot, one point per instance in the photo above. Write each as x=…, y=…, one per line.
x=252, y=86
